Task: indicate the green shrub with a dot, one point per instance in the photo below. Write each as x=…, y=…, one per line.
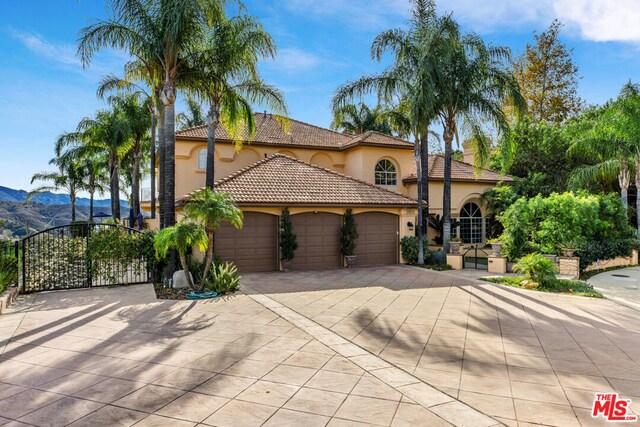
x=223, y=278
x=563, y=286
x=438, y=257
x=537, y=268
x=8, y=272
x=595, y=250
x=549, y=224
x=288, y=239
x=409, y=246
x=348, y=234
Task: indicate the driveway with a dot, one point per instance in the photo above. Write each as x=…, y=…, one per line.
x=384, y=346
x=621, y=286
x=516, y=355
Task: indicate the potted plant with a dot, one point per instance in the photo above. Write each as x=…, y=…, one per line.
x=568, y=250
x=496, y=246
x=288, y=240
x=454, y=244
x=348, y=237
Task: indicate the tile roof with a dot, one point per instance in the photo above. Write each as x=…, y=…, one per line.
x=460, y=171
x=281, y=180
x=300, y=134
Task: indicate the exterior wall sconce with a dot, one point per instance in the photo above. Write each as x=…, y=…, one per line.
x=410, y=225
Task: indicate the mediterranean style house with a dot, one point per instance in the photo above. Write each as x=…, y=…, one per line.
x=318, y=174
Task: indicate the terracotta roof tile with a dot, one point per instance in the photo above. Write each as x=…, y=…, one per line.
x=269, y=132
x=284, y=181
x=460, y=171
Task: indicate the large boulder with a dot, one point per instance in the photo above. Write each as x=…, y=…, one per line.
x=180, y=280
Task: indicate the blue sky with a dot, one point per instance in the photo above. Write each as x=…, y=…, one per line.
x=322, y=44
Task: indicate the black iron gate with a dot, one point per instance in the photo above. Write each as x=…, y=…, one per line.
x=476, y=258
x=83, y=255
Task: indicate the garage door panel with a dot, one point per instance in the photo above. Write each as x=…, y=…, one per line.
x=253, y=247
x=378, y=238
x=318, y=240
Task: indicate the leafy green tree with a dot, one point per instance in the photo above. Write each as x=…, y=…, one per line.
x=181, y=237
x=548, y=77
x=212, y=209
x=68, y=178
x=348, y=234
x=226, y=76
x=288, y=239
x=356, y=119
x=163, y=34
x=193, y=116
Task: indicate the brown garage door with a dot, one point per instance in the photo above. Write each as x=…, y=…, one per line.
x=318, y=240
x=377, y=243
x=252, y=248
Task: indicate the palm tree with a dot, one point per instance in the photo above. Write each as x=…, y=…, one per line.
x=614, y=143
x=193, y=116
x=93, y=169
x=226, y=76
x=68, y=177
x=137, y=115
x=181, y=237
x=407, y=78
x=212, y=209
x=357, y=119
x=156, y=34
x=106, y=135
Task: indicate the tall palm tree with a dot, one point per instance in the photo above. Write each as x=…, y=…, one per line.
x=136, y=113
x=193, y=116
x=212, y=209
x=160, y=32
x=68, y=177
x=93, y=169
x=108, y=135
x=181, y=237
x=356, y=119
x=226, y=76
x=408, y=79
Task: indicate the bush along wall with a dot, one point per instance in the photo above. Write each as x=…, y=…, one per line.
x=409, y=246
x=583, y=221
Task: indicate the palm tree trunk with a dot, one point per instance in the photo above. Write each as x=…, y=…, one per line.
x=72, y=196
x=185, y=268
x=624, y=179
x=112, y=189
x=135, y=179
x=424, y=183
x=168, y=99
x=446, y=197
x=91, y=196
x=161, y=150
x=214, y=119
x=419, y=229
x=638, y=195
x=208, y=259
x=153, y=162
x=116, y=191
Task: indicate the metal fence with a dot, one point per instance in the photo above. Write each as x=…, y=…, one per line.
x=84, y=255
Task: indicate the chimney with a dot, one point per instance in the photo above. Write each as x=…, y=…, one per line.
x=468, y=152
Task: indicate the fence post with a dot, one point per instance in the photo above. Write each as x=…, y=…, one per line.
x=88, y=260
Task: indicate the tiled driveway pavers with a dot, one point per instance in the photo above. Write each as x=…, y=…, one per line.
x=120, y=357
x=520, y=356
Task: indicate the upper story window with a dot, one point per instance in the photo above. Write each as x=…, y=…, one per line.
x=202, y=159
x=386, y=173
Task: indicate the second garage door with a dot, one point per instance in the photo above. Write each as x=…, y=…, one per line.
x=318, y=237
x=377, y=243
x=252, y=248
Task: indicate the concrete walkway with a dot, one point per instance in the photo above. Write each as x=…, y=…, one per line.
x=519, y=356
x=621, y=286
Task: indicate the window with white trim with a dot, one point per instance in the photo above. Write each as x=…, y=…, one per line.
x=202, y=159
x=386, y=173
x=471, y=223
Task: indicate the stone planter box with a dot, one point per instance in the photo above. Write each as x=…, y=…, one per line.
x=7, y=297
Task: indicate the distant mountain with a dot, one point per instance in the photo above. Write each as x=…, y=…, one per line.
x=16, y=216
x=49, y=198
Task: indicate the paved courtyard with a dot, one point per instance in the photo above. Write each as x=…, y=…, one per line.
x=384, y=346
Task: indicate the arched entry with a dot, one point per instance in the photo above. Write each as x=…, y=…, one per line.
x=471, y=224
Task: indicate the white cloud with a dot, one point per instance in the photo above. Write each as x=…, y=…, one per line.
x=57, y=52
x=293, y=59
x=602, y=20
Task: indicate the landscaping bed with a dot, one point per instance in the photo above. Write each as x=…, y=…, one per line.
x=557, y=286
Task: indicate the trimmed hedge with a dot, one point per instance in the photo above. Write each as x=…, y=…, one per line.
x=595, y=250
x=409, y=246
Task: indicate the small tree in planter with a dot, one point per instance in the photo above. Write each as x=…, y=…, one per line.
x=348, y=237
x=288, y=240
x=182, y=236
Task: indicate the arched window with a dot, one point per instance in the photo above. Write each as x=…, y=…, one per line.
x=386, y=173
x=202, y=159
x=471, y=223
